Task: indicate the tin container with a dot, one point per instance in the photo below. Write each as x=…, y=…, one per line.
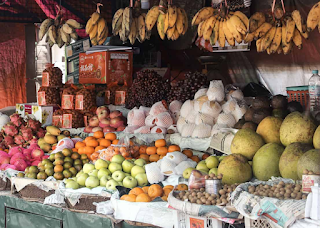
x=213, y=186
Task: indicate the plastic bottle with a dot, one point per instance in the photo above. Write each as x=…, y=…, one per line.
x=314, y=92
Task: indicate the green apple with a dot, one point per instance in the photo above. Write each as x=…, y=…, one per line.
x=214, y=171
x=74, y=178
x=221, y=158
x=204, y=171
x=82, y=179
x=103, y=172
x=92, y=182
x=117, y=159
x=100, y=163
x=111, y=185
x=127, y=166
x=87, y=168
x=136, y=170
x=68, y=180
x=212, y=162
x=187, y=172
x=202, y=166
x=142, y=179
x=118, y=175
x=202, y=162
x=79, y=173
x=120, y=183
x=113, y=166
x=127, y=174
x=130, y=182
x=103, y=181
x=140, y=162
x=94, y=173
x=72, y=184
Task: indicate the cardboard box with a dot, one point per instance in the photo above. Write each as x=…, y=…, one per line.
x=73, y=64
x=73, y=78
x=44, y=114
x=105, y=67
x=24, y=109
x=77, y=47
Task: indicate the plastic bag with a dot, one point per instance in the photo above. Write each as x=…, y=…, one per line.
x=158, y=108
x=239, y=112
x=176, y=157
x=131, y=129
x=186, y=108
x=154, y=174
x=216, y=91
x=167, y=167
x=202, y=131
x=191, y=117
x=180, y=123
x=150, y=120
x=138, y=118
x=183, y=166
x=175, y=106
x=211, y=108
x=146, y=110
x=187, y=130
x=130, y=116
x=229, y=106
x=164, y=120
x=158, y=130
x=203, y=118
x=226, y=120
x=200, y=93
x=196, y=180
x=143, y=130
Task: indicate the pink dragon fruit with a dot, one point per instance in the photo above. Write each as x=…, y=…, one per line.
x=27, y=151
x=3, y=145
x=33, y=141
x=34, y=146
x=33, y=124
x=20, y=164
x=18, y=139
x=36, y=162
x=15, y=150
x=3, y=166
x=4, y=159
x=37, y=154
x=27, y=134
x=41, y=133
x=16, y=119
x=10, y=129
x=16, y=157
x=8, y=140
x=10, y=167
x=45, y=157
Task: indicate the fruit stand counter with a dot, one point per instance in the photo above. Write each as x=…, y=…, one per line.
x=17, y=213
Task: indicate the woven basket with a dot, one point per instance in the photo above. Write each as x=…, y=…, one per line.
x=33, y=193
x=132, y=223
x=86, y=203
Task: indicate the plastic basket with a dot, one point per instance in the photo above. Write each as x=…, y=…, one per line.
x=300, y=94
x=259, y=223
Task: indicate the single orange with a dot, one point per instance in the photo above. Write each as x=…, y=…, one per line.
x=145, y=157
x=142, y=149
x=136, y=191
x=105, y=142
x=94, y=156
x=155, y=190
x=151, y=150
x=182, y=187
x=173, y=148
x=154, y=157
x=130, y=198
x=89, y=138
x=188, y=153
x=162, y=150
x=79, y=145
x=115, y=142
x=143, y=197
x=205, y=155
x=92, y=143
x=88, y=150
x=81, y=150
x=111, y=136
x=99, y=148
x=58, y=168
x=160, y=143
x=74, y=149
x=168, y=187
x=98, y=134
x=145, y=189
x=166, y=191
x=195, y=158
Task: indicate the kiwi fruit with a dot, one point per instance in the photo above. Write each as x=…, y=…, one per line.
x=279, y=102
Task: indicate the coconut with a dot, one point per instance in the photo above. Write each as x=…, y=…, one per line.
x=297, y=127
x=235, y=169
x=269, y=129
x=310, y=161
x=289, y=159
x=265, y=163
x=246, y=142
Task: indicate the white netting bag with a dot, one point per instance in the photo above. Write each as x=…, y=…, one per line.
x=175, y=106
x=239, y=112
x=211, y=108
x=167, y=167
x=203, y=118
x=184, y=165
x=150, y=120
x=186, y=108
x=175, y=116
x=199, y=103
x=146, y=110
x=187, y=130
x=164, y=120
x=216, y=129
x=176, y=157
x=180, y=123
x=130, y=129
x=158, y=108
x=138, y=118
x=216, y=91
x=159, y=130
x=230, y=106
x=154, y=174
x=143, y=130
x=191, y=117
x=200, y=93
x=130, y=116
x=173, y=128
x=226, y=120
x=202, y=131
x=235, y=94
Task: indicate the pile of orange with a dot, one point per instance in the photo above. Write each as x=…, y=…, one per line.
x=148, y=193
x=92, y=144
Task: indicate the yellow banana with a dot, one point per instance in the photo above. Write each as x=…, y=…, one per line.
x=67, y=29
x=268, y=50
x=297, y=39
x=238, y=24
x=276, y=40
x=173, y=15
x=175, y=34
x=305, y=34
x=279, y=50
x=296, y=16
x=53, y=34
x=222, y=37
x=142, y=29
x=262, y=30
x=102, y=27
x=228, y=34
x=74, y=36
x=65, y=36
x=209, y=23
x=255, y=21
x=286, y=46
x=290, y=26
x=89, y=26
x=200, y=30
x=258, y=44
x=152, y=17
x=170, y=32
x=74, y=24
x=249, y=37
x=234, y=31
x=133, y=31
x=207, y=33
x=267, y=39
x=180, y=23
x=202, y=15
x=186, y=21
x=313, y=17
x=94, y=32
x=243, y=18
x=117, y=21
x=215, y=32
x=44, y=27
x=103, y=39
x=166, y=23
x=127, y=20
x=160, y=25
x=95, y=17
x=59, y=39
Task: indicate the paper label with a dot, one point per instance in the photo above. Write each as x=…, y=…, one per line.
x=67, y=102
x=67, y=121
x=79, y=102
x=197, y=222
x=107, y=97
x=120, y=97
x=45, y=79
x=57, y=121
x=308, y=181
x=42, y=98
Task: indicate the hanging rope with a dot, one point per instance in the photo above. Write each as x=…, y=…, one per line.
x=98, y=5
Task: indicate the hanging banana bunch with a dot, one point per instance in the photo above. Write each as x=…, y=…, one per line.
x=97, y=28
x=313, y=19
x=58, y=31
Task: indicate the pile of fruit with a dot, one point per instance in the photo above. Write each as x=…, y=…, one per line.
x=49, y=141
x=97, y=28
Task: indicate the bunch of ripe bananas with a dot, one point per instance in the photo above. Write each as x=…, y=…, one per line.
x=97, y=28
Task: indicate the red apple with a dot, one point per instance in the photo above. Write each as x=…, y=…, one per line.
x=102, y=108
x=96, y=129
x=88, y=129
x=115, y=114
x=109, y=129
x=116, y=122
x=104, y=114
x=121, y=128
x=104, y=123
x=94, y=121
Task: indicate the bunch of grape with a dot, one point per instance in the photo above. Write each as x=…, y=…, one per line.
x=147, y=89
x=185, y=90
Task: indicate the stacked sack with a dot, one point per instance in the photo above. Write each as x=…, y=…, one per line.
x=213, y=108
x=157, y=119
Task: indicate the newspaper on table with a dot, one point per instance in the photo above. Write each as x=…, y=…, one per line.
x=8, y=173
x=222, y=138
x=20, y=183
x=281, y=213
